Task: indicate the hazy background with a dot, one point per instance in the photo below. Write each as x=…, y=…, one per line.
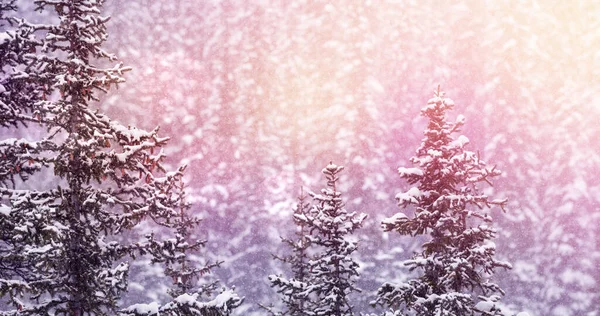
x=258, y=96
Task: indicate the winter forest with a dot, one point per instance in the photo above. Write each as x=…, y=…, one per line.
x=299, y=157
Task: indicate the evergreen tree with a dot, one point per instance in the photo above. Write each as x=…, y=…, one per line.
x=186, y=293
x=59, y=248
x=333, y=272
x=458, y=258
x=179, y=267
x=295, y=291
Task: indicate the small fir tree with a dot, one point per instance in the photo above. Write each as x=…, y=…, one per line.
x=178, y=266
x=295, y=291
x=333, y=272
x=458, y=258
x=187, y=294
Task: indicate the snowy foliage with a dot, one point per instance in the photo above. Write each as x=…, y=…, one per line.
x=19, y=96
x=188, y=304
x=458, y=259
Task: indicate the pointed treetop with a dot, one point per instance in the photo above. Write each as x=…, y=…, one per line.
x=302, y=195
x=331, y=171
x=332, y=168
x=437, y=104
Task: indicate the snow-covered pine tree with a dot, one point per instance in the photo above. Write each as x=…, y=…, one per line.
x=458, y=259
x=178, y=266
x=187, y=294
x=333, y=272
x=294, y=291
x=59, y=248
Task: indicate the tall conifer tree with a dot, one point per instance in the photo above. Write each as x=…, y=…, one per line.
x=459, y=256
x=59, y=250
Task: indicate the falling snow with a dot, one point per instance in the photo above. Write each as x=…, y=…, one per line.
x=254, y=97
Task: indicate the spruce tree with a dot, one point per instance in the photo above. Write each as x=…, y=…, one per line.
x=187, y=294
x=332, y=270
x=179, y=267
x=60, y=250
x=458, y=258
x=295, y=291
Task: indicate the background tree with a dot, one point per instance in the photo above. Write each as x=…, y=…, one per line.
x=187, y=292
x=295, y=291
x=458, y=258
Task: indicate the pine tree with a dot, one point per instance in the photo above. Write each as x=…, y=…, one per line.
x=333, y=272
x=295, y=291
x=179, y=267
x=458, y=258
x=187, y=295
x=59, y=248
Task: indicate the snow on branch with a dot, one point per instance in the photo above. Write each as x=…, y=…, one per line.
x=189, y=304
